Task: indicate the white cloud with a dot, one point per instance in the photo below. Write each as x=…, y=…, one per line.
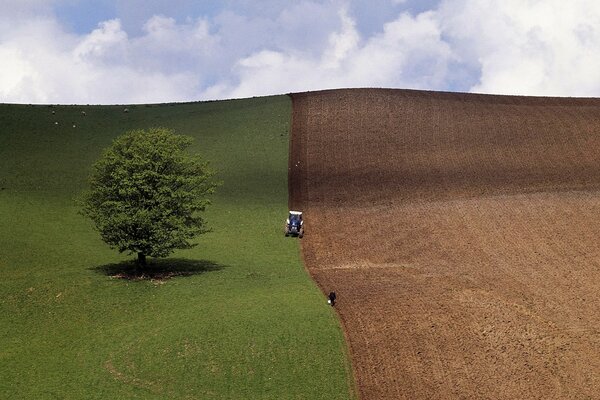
x=408, y=53
x=535, y=47
x=167, y=61
x=342, y=43
x=540, y=47
x=108, y=41
x=16, y=72
x=43, y=64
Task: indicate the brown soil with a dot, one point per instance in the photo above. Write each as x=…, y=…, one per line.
x=460, y=233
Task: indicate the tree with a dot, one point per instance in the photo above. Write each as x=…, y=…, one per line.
x=146, y=194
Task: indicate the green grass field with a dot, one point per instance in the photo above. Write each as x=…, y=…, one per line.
x=248, y=323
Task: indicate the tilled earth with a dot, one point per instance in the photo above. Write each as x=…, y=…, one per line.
x=460, y=233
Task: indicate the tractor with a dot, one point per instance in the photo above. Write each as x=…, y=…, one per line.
x=294, y=225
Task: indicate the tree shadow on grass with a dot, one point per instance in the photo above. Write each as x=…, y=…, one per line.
x=157, y=269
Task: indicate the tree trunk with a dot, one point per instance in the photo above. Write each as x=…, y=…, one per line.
x=141, y=260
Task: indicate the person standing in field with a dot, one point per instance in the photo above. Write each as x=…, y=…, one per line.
x=332, y=298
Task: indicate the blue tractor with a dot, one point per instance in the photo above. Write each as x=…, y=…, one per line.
x=294, y=225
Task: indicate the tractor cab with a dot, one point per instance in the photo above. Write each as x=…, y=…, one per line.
x=294, y=225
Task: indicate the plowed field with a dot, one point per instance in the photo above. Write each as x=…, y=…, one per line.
x=460, y=233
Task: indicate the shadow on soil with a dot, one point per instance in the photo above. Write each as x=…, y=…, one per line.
x=157, y=269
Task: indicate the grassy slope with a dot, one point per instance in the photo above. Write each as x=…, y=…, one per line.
x=252, y=326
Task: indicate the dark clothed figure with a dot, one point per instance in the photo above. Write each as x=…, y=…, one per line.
x=332, y=298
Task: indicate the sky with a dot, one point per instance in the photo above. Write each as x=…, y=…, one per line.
x=152, y=51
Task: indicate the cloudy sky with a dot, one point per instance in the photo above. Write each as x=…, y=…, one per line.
x=139, y=51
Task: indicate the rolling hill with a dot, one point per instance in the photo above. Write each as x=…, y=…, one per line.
x=460, y=233
x=244, y=322
x=458, y=230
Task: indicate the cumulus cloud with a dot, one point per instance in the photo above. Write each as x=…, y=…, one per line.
x=246, y=48
x=408, y=53
x=103, y=45
x=536, y=47
x=168, y=60
x=41, y=63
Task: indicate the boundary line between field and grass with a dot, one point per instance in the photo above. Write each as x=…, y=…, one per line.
x=353, y=390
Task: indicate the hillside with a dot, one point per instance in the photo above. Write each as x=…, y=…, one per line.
x=246, y=321
x=460, y=233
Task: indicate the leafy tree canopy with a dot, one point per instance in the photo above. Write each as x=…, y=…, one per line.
x=147, y=193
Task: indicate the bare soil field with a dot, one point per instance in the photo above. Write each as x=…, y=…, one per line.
x=460, y=233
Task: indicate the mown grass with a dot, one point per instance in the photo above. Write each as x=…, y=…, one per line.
x=242, y=320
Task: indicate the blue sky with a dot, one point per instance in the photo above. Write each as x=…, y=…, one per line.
x=137, y=51
x=83, y=16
